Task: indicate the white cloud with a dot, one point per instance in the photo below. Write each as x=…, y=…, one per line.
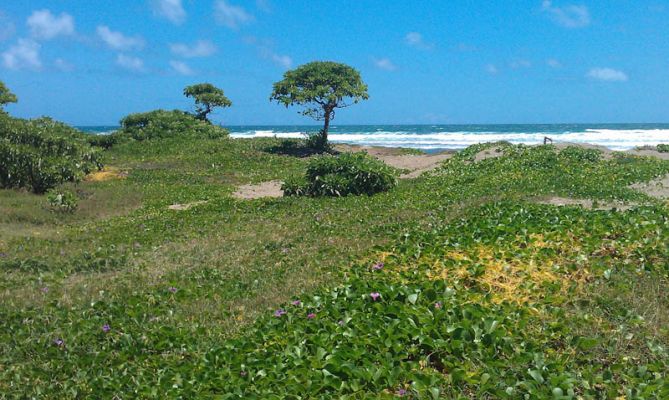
x=130, y=63
x=63, y=65
x=181, y=67
x=118, y=41
x=7, y=27
x=520, y=63
x=415, y=39
x=265, y=49
x=230, y=15
x=201, y=48
x=571, y=16
x=281, y=60
x=384, y=63
x=44, y=25
x=172, y=10
x=23, y=55
x=608, y=75
x=491, y=69
x=553, y=63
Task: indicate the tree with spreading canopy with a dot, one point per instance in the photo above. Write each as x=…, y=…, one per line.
x=207, y=97
x=6, y=96
x=321, y=87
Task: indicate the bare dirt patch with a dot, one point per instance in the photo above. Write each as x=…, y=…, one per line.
x=586, y=203
x=186, y=206
x=649, y=153
x=260, y=190
x=492, y=152
x=106, y=174
x=658, y=188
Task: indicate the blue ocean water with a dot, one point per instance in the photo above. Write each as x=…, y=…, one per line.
x=436, y=137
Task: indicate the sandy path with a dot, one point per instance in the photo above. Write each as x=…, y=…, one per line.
x=264, y=189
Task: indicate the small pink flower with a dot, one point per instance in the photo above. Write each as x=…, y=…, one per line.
x=173, y=289
x=59, y=342
x=311, y=316
x=44, y=289
x=375, y=295
x=377, y=266
x=296, y=303
x=401, y=392
x=341, y=322
x=437, y=305
x=278, y=313
x=242, y=373
x=106, y=328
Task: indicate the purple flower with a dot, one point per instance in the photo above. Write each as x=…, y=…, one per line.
x=341, y=322
x=44, y=289
x=311, y=316
x=375, y=295
x=377, y=266
x=278, y=313
x=401, y=392
x=106, y=328
x=437, y=305
x=58, y=342
x=173, y=289
x=296, y=303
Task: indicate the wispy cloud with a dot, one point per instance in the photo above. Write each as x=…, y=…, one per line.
x=607, y=75
x=384, y=63
x=7, y=27
x=63, y=65
x=230, y=15
x=118, y=41
x=520, y=64
x=130, y=63
x=415, y=39
x=44, y=26
x=201, y=48
x=266, y=51
x=553, y=63
x=23, y=55
x=570, y=16
x=171, y=10
x=181, y=68
x=491, y=69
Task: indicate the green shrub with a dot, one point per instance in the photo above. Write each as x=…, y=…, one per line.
x=62, y=201
x=42, y=153
x=663, y=148
x=161, y=124
x=317, y=141
x=105, y=141
x=580, y=154
x=342, y=175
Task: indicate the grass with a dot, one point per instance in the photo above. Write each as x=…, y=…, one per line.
x=189, y=294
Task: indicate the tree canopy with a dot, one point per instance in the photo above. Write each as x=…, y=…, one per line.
x=321, y=87
x=207, y=97
x=6, y=96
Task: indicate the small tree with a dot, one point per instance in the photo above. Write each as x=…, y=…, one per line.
x=6, y=96
x=207, y=96
x=321, y=87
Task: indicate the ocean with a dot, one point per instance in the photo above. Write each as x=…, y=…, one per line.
x=439, y=137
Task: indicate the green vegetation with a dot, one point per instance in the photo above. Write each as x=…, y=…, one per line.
x=6, y=96
x=161, y=124
x=321, y=87
x=207, y=97
x=453, y=285
x=342, y=175
x=62, y=200
x=663, y=148
x=42, y=153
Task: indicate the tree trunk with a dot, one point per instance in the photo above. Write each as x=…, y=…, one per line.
x=326, y=126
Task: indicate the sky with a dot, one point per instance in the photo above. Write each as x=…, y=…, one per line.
x=91, y=62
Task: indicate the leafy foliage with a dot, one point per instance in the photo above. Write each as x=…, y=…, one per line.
x=40, y=154
x=343, y=175
x=207, y=97
x=62, y=200
x=6, y=96
x=663, y=148
x=320, y=87
x=162, y=124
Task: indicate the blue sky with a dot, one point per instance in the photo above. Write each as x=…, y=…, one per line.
x=90, y=62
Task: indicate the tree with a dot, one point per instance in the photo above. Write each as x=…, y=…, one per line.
x=6, y=96
x=207, y=96
x=321, y=87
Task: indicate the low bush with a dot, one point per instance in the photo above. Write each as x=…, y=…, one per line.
x=106, y=141
x=42, y=153
x=161, y=124
x=63, y=201
x=342, y=175
x=663, y=148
